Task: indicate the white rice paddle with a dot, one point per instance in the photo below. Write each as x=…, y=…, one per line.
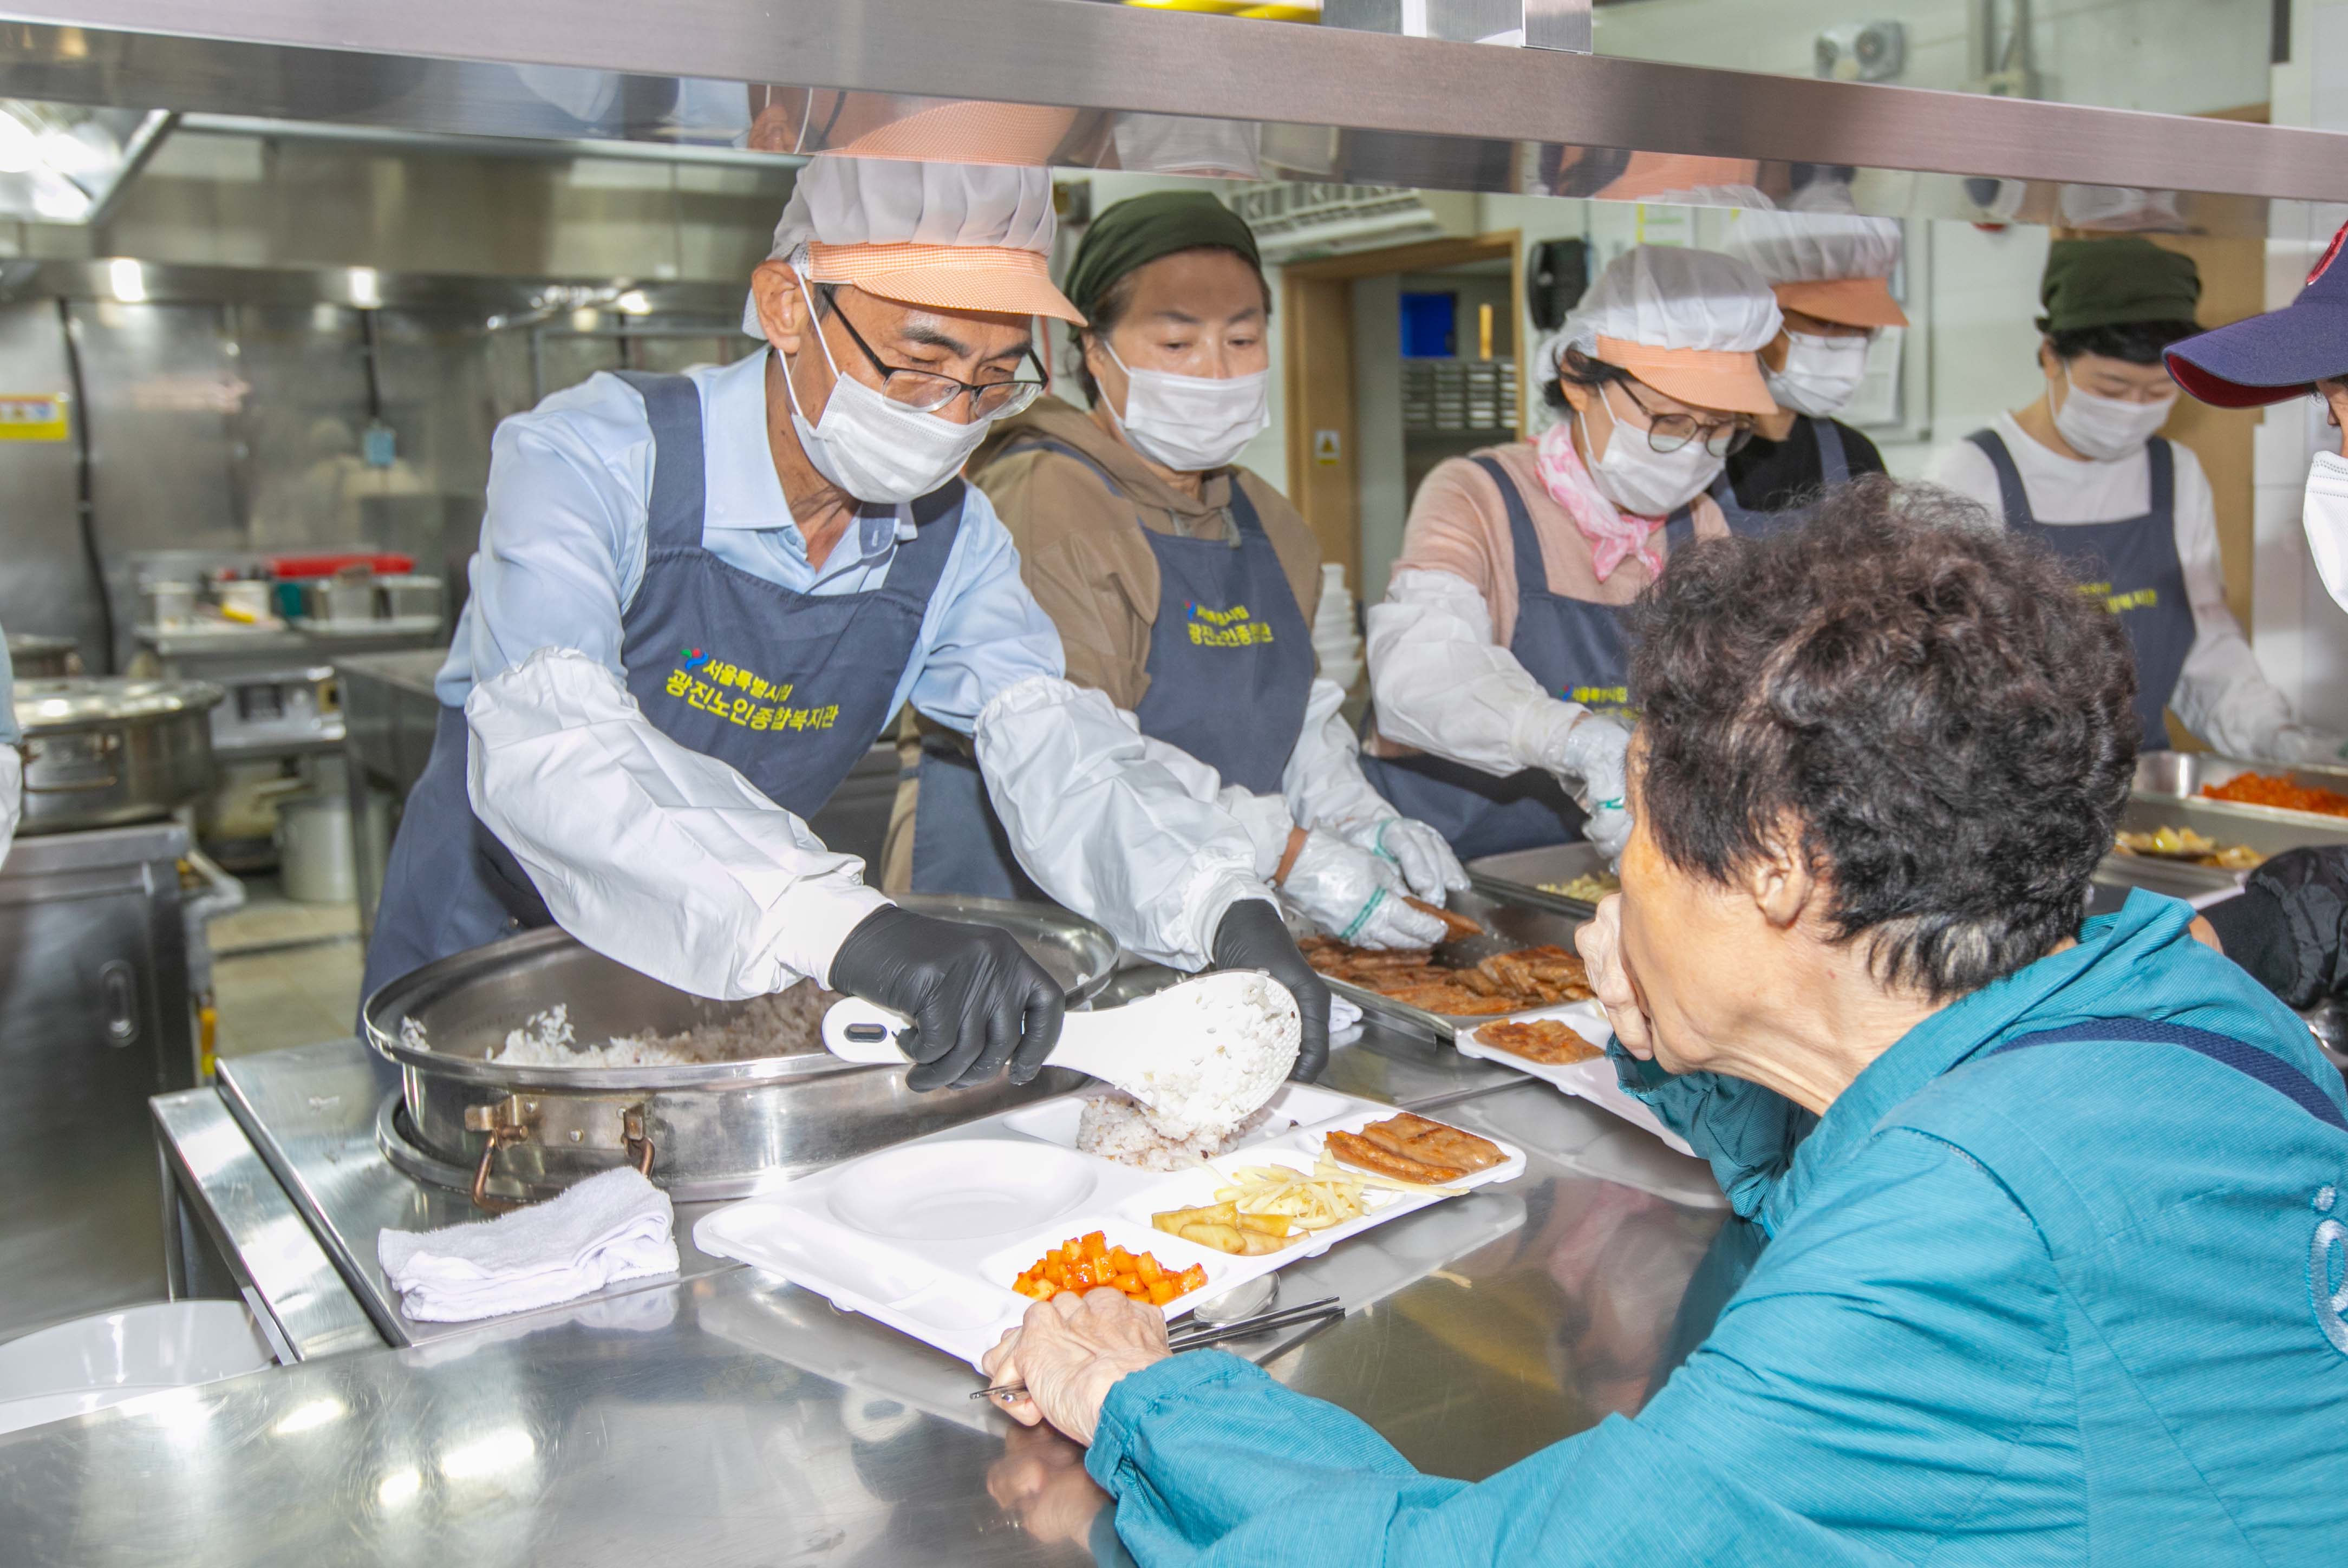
x=1203, y=1054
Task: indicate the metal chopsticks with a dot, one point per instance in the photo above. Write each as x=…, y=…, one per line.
x=1191, y=1338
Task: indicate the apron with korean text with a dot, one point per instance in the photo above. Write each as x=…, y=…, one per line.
x=2130, y=565
x=1231, y=667
x=788, y=689
x=1578, y=651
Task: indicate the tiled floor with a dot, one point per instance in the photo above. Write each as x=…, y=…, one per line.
x=285, y=973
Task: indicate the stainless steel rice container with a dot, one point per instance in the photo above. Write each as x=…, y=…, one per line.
x=719, y=1130
x=37, y=658
x=99, y=752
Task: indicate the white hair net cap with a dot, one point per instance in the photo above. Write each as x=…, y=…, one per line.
x=1673, y=302
x=1671, y=297
x=1816, y=247
x=1834, y=266
x=988, y=229
x=898, y=202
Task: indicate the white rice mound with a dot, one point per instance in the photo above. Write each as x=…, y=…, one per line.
x=1114, y=1127
x=789, y=1023
x=1238, y=1041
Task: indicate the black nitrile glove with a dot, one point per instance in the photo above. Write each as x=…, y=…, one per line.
x=1252, y=937
x=977, y=1001
x=2290, y=927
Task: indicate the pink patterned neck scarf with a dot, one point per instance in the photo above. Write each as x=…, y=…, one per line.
x=1614, y=535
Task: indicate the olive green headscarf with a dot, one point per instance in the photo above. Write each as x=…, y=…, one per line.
x=1139, y=229
x=2116, y=282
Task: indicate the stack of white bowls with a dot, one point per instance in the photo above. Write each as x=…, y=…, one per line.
x=1335, y=642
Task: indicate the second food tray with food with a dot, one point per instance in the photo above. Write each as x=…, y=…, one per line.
x=1503, y=958
x=1566, y=1046
x=950, y=1238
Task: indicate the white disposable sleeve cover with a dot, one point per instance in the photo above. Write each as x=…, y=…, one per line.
x=1113, y=826
x=1322, y=782
x=651, y=853
x=2223, y=693
x=12, y=795
x=1443, y=685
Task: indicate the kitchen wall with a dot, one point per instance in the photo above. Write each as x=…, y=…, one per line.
x=239, y=428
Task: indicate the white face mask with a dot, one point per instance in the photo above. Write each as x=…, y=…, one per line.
x=2325, y=518
x=2105, y=428
x=876, y=450
x=1191, y=423
x=1648, y=483
x=1822, y=375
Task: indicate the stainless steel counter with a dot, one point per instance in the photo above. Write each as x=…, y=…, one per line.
x=310, y=1114
x=94, y=1018
x=728, y=1419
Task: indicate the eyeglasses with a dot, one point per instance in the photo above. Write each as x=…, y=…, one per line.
x=930, y=392
x=1667, y=433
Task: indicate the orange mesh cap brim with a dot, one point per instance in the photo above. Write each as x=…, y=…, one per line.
x=1848, y=301
x=1021, y=134
x=1701, y=377
x=970, y=278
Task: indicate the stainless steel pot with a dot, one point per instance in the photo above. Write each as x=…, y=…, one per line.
x=409, y=598
x=101, y=751
x=37, y=658
x=345, y=598
x=716, y=1131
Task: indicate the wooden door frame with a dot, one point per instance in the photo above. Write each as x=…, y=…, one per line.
x=1317, y=308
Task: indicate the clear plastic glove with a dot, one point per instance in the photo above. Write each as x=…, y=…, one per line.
x=1593, y=763
x=977, y=1001
x=1430, y=870
x=1600, y=941
x=1354, y=896
x=1251, y=936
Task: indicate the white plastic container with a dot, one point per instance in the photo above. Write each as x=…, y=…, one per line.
x=110, y=1357
x=314, y=848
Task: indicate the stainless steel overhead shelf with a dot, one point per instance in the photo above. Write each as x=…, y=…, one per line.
x=1150, y=88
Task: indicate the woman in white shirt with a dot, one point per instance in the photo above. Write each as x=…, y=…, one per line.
x=2082, y=469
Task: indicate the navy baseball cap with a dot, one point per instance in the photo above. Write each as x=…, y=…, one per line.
x=2281, y=354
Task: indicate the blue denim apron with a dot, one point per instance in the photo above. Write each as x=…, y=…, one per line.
x=1575, y=649
x=1230, y=667
x=1834, y=466
x=788, y=689
x=2130, y=564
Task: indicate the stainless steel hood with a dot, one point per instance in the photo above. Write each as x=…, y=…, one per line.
x=1290, y=102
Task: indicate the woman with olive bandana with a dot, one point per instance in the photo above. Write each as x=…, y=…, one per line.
x=2083, y=471
x=1498, y=661
x=1183, y=587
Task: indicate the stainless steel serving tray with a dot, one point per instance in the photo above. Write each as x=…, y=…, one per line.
x=714, y=1130
x=2177, y=777
x=1526, y=924
x=2267, y=832
x=1519, y=873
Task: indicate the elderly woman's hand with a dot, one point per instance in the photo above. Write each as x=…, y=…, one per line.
x=1600, y=941
x=1069, y=1350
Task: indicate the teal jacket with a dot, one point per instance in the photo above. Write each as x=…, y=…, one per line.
x=2077, y=1303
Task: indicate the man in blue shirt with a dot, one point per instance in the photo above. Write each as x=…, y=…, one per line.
x=697, y=601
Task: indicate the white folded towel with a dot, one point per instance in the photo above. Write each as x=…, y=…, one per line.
x=1343, y=1013
x=608, y=1229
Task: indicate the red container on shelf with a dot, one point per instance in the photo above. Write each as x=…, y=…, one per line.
x=294, y=569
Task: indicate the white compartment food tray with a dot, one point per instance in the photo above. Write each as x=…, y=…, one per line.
x=928, y=1235
x=1594, y=1081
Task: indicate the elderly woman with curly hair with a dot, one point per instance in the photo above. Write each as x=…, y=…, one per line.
x=2056, y=1266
